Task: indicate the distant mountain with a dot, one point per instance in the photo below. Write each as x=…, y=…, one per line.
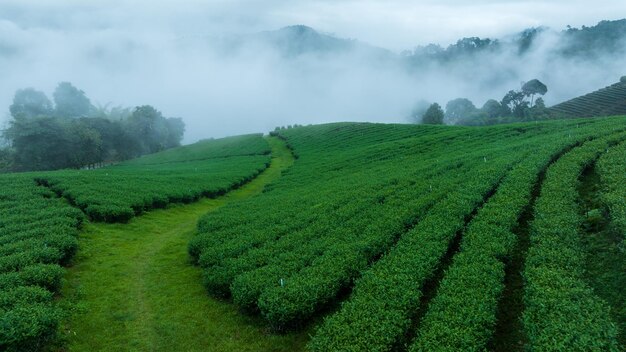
x=607, y=101
x=606, y=36
x=586, y=42
x=298, y=40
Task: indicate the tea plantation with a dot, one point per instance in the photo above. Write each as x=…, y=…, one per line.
x=40, y=216
x=379, y=237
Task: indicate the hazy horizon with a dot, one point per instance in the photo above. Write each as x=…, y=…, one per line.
x=138, y=53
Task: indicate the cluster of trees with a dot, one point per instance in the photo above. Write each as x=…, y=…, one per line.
x=461, y=49
x=73, y=133
x=584, y=43
x=516, y=105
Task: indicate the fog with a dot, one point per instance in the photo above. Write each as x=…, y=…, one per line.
x=207, y=63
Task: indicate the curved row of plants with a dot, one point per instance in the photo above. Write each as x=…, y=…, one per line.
x=118, y=193
x=37, y=236
x=562, y=312
x=463, y=314
x=611, y=168
x=38, y=230
x=288, y=254
x=353, y=192
x=603, y=102
x=384, y=300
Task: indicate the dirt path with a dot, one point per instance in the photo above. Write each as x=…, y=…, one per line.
x=135, y=289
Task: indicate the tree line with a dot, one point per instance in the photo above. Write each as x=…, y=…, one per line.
x=70, y=132
x=525, y=104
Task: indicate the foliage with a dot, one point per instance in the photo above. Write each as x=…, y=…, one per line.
x=37, y=232
x=71, y=102
x=152, y=132
x=611, y=168
x=558, y=301
x=433, y=115
x=607, y=101
x=38, y=229
x=533, y=87
x=589, y=42
x=149, y=264
x=75, y=134
x=402, y=194
x=119, y=192
x=30, y=103
x=462, y=315
x=418, y=110
x=458, y=109
x=371, y=212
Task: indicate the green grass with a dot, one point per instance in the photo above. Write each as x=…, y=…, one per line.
x=136, y=289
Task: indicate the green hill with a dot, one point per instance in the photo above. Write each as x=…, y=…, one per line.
x=608, y=101
x=38, y=231
x=401, y=237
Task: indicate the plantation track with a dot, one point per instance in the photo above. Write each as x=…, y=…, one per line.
x=509, y=334
x=136, y=289
x=605, y=261
x=343, y=237
x=430, y=287
x=558, y=300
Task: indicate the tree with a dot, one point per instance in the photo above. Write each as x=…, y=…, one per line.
x=493, y=109
x=39, y=143
x=30, y=103
x=6, y=160
x=176, y=131
x=532, y=87
x=514, y=101
x=539, y=110
x=78, y=134
x=418, y=111
x=152, y=131
x=434, y=115
x=458, y=109
x=86, y=144
x=71, y=102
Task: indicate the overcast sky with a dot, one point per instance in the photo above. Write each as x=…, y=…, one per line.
x=393, y=24
x=115, y=51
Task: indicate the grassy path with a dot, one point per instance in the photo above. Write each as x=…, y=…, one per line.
x=135, y=288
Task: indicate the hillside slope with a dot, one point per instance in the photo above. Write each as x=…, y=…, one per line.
x=608, y=101
x=411, y=227
x=401, y=237
x=38, y=230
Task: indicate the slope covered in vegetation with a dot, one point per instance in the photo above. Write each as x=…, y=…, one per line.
x=415, y=225
x=183, y=174
x=607, y=101
x=38, y=230
x=401, y=237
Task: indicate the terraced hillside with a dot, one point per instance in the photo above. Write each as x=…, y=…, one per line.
x=608, y=101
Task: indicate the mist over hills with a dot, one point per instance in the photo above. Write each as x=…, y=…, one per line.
x=586, y=42
x=491, y=65
x=587, y=47
x=227, y=84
